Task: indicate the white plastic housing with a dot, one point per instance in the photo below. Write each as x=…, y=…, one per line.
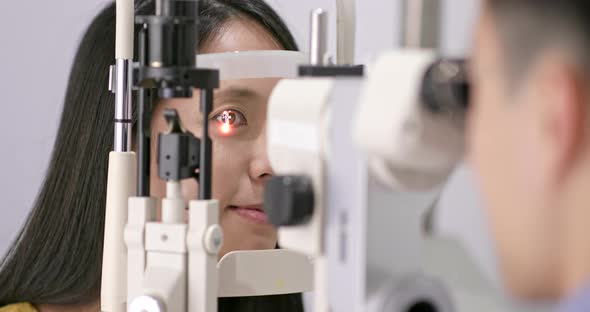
x=295, y=132
x=165, y=275
x=173, y=206
x=409, y=148
x=165, y=279
x=253, y=64
x=202, y=260
x=346, y=205
x=124, y=29
x=120, y=186
x=141, y=211
x=264, y=272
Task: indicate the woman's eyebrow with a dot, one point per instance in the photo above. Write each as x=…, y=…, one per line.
x=236, y=93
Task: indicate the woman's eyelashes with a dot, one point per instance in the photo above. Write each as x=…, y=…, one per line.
x=228, y=121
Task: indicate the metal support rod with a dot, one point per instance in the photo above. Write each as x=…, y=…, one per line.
x=318, y=34
x=345, y=31
x=206, y=161
x=143, y=125
x=123, y=107
x=144, y=142
x=160, y=7
x=421, y=23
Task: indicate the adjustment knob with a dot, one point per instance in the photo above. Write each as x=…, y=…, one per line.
x=289, y=200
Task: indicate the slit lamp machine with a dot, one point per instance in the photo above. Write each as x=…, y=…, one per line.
x=360, y=155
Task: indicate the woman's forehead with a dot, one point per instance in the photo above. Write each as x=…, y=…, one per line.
x=241, y=34
x=260, y=87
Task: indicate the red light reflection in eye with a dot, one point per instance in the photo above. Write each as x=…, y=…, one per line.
x=225, y=128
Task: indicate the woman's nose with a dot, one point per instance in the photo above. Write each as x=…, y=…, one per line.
x=260, y=169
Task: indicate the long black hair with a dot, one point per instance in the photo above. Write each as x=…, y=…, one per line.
x=57, y=257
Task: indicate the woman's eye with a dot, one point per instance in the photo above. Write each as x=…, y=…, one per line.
x=228, y=120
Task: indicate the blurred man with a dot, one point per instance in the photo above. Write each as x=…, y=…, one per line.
x=530, y=144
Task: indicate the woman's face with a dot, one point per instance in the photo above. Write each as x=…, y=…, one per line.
x=238, y=133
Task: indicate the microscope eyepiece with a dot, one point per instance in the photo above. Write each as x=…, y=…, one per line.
x=445, y=87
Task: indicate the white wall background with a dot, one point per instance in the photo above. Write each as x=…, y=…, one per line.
x=38, y=41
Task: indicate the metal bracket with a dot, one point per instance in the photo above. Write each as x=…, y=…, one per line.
x=112, y=78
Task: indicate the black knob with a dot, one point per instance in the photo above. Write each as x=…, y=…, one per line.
x=289, y=200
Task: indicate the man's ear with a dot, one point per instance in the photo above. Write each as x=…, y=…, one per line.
x=561, y=114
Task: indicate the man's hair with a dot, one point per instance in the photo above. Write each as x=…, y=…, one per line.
x=527, y=27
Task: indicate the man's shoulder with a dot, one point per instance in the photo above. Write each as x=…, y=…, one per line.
x=579, y=302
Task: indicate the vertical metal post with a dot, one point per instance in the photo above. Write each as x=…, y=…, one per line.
x=346, y=31
x=421, y=23
x=123, y=107
x=206, y=160
x=144, y=105
x=318, y=34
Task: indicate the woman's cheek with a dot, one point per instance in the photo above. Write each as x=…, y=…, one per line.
x=227, y=168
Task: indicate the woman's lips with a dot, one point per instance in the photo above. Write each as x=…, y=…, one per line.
x=251, y=213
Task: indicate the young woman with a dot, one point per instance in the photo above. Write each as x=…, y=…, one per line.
x=55, y=264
